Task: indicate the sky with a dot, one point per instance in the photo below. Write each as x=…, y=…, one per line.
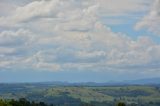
x=79, y=40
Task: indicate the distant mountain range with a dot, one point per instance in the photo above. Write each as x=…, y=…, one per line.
x=147, y=81
x=144, y=81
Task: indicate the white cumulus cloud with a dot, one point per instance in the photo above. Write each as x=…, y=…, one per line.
x=59, y=35
x=152, y=20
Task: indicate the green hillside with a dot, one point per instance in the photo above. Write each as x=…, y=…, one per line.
x=74, y=95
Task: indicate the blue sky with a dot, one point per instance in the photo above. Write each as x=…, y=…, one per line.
x=79, y=40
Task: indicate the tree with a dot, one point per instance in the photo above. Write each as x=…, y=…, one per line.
x=121, y=104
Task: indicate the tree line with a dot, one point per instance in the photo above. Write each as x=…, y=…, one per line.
x=24, y=102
